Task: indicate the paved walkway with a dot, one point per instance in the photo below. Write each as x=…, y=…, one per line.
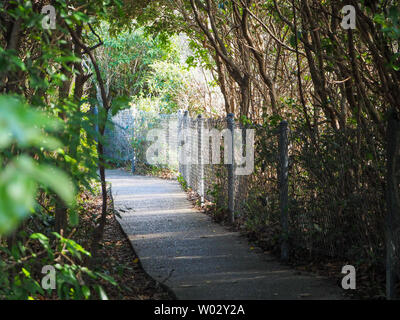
x=197, y=258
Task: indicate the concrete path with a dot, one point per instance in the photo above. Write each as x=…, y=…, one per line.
x=197, y=258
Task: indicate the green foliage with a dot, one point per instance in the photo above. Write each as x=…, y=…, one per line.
x=19, y=273
x=21, y=125
x=165, y=82
x=45, y=132
x=182, y=182
x=200, y=56
x=390, y=24
x=126, y=59
x=21, y=176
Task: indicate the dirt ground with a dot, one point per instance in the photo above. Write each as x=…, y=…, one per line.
x=124, y=266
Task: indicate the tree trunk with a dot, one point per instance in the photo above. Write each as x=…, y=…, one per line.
x=61, y=216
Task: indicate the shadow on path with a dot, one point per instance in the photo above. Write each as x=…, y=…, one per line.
x=197, y=258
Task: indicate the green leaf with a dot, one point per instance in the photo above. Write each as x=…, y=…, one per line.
x=24, y=125
x=108, y=278
x=26, y=273
x=102, y=294
x=50, y=177
x=86, y=292
x=44, y=241
x=119, y=103
x=73, y=217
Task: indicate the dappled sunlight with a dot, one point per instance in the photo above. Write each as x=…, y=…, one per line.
x=145, y=197
x=148, y=236
x=176, y=210
x=220, y=135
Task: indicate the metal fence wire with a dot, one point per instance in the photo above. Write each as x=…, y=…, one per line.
x=119, y=132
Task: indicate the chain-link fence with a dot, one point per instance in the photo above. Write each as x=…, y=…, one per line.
x=251, y=198
x=156, y=139
x=119, y=133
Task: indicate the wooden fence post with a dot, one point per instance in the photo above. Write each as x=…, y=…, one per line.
x=186, y=169
x=200, y=162
x=179, y=141
x=231, y=168
x=283, y=187
x=167, y=138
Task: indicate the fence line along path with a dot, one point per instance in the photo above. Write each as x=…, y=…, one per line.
x=197, y=258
